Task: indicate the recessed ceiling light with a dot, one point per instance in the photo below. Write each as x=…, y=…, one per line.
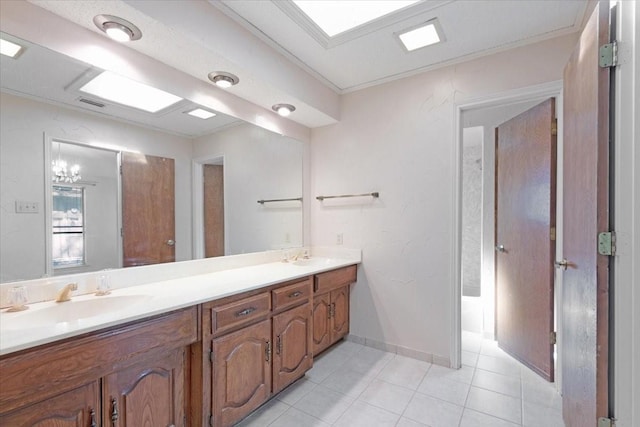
x=283, y=109
x=223, y=79
x=9, y=49
x=201, y=113
x=337, y=16
x=116, y=88
x=117, y=28
x=421, y=36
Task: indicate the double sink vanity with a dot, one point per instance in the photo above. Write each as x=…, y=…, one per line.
x=198, y=350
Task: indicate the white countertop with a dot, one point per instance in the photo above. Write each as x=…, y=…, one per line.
x=46, y=322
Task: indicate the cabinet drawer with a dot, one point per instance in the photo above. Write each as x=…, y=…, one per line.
x=291, y=295
x=240, y=312
x=335, y=279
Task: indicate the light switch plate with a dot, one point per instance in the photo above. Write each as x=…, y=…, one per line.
x=26, y=207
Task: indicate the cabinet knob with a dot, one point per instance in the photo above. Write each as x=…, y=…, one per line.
x=114, y=412
x=92, y=414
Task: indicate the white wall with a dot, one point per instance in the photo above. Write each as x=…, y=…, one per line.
x=398, y=139
x=22, y=125
x=472, y=210
x=258, y=165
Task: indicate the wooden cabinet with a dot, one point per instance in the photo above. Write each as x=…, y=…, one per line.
x=241, y=372
x=76, y=408
x=293, y=354
x=140, y=366
x=260, y=343
x=331, y=307
x=150, y=393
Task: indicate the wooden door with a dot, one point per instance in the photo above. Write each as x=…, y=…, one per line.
x=292, y=341
x=148, y=209
x=75, y=408
x=148, y=394
x=213, y=200
x=525, y=216
x=339, y=313
x=241, y=372
x=321, y=320
x=585, y=296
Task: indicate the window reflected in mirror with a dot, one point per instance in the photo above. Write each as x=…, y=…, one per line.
x=68, y=226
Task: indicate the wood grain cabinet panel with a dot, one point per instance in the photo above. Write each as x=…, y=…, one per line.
x=292, y=346
x=76, y=408
x=321, y=318
x=148, y=394
x=292, y=295
x=333, y=279
x=241, y=372
x=235, y=314
x=339, y=313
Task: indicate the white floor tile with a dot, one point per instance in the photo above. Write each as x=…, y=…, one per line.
x=536, y=415
x=369, y=361
x=406, y=422
x=499, y=365
x=433, y=412
x=324, y=404
x=387, y=396
x=265, y=414
x=347, y=381
x=404, y=371
x=464, y=374
x=327, y=364
x=296, y=391
x=497, y=382
x=496, y=404
x=471, y=341
x=541, y=392
x=471, y=418
x=469, y=358
x=490, y=348
x=349, y=347
x=445, y=389
x=296, y=418
x=362, y=415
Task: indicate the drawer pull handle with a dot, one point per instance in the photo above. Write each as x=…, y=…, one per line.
x=295, y=294
x=114, y=411
x=245, y=311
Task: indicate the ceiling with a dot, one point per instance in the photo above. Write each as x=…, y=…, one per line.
x=280, y=56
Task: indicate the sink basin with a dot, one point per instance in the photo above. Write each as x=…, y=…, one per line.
x=70, y=311
x=311, y=262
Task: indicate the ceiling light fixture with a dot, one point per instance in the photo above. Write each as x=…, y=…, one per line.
x=117, y=28
x=9, y=49
x=283, y=109
x=201, y=113
x=116, y=88
x=223, y=79
x=423, y=35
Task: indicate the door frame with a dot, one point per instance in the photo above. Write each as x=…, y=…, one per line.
x=551, y=89
x=197, y=197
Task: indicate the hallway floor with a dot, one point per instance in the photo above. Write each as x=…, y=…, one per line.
x=352, y=385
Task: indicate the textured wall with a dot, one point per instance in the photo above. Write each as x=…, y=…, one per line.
x=471, y=210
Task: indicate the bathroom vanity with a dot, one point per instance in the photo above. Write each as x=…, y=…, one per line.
x=211, y=362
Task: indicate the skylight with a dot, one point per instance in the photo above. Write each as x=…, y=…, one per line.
x=9, y=49
x=424, y=35
x=337, y=16
x=116, y=88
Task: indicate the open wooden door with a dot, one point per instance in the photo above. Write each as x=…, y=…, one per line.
x=585, y=296
x=148, y=209
x=525, y=236
x=213, y=201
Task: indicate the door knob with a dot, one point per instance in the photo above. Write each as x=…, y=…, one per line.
x=562, y=264
x=500, y=248
x=171, y=242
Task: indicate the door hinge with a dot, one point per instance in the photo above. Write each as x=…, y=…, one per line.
x=552, y=233
x=210, y=420
x=607, y=243
x=554, y=127
x=120, y=169
x=211, y=356
x=553, y=337
x=606, y=422
x=608, y=55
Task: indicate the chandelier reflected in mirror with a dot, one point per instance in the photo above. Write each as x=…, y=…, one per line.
x=63, y=174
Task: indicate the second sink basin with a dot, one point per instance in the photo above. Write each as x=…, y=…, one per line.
x=70, y=311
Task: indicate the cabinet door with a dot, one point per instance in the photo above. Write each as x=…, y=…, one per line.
x=292, y=346
x=241, y=372
x=339, y=313
x=75, y=408
x=321, y=320
x=148, y=394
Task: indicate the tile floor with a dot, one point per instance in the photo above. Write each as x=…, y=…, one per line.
x=352, y=385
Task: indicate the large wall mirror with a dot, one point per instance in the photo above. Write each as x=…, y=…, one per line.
x=217, y=169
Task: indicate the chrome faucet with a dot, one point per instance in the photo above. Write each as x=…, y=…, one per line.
x=65, y=293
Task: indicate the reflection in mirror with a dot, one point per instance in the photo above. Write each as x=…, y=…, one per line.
x=37, y=106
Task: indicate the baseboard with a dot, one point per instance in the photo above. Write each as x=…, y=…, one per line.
x=401, y=350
